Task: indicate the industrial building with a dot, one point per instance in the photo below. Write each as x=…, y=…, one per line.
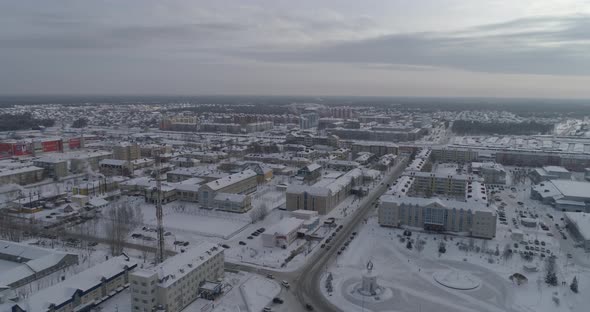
x=243, y=182
x=172, y=285
x=476, y=219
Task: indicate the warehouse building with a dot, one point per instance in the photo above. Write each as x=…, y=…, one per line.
x=175, y=283
x=564, y=195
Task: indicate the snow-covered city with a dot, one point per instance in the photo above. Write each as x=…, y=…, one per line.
x=294, y=156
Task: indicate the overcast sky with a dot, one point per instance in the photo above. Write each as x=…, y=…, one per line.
x=511, y=48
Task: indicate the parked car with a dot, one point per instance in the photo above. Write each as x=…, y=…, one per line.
x=242, y=243
x=285, y=284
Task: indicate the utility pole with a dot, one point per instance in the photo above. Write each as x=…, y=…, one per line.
x=159, y=214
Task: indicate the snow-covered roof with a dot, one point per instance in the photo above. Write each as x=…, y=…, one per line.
x=423, y=202
x=285, y=226
x=572, y=188
x=174, y=268
x=33, y=259
x=231, y=179
x=581, y=221
x=19, y=170
x=84, y=281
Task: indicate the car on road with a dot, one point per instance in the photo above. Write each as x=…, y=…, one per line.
x=270, y=276
x=285, y=284
x=92, y=244
x=250, y=237
x=242, y=243
x=267, y=309
x=225, y=246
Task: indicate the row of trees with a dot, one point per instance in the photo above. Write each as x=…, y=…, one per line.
x=478, y=127
x=10, y=122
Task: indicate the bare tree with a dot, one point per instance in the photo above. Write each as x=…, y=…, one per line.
x=259, y=213
x=121, y=219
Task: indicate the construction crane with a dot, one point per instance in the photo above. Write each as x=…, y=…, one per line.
x=159, y=215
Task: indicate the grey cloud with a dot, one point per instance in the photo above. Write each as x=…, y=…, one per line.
x=554, y=51
x=84, y=35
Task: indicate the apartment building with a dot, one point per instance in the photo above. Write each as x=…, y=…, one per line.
x=54, y=167
x=377, y=148
x=462, y=155
x=126, y=151
x=243, y=182
x=175, y=283
x=22, y=176
x=473, y=218
x=428, y=183
x=324, y=195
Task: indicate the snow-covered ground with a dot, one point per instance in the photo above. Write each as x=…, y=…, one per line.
x=408, y=274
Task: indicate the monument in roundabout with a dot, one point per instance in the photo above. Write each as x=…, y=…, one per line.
x=369, y=285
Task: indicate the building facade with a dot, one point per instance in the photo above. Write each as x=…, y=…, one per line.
x=174, y=284
x=434, y=214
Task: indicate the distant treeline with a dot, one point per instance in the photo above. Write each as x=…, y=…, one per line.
x=25, y=121
x=478, y=127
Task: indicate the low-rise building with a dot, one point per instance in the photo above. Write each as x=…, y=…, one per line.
x=31, y=263
x=564, y=195
x=550, y=173
x=239, y=203
x=83, y=291
x=175, y=283
x=243, y=182
x=282, y=234
x=476, y=219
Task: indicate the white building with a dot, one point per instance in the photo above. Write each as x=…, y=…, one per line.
x=175, y=283
x=564, y=195
x=282, y=234
x=436, y=214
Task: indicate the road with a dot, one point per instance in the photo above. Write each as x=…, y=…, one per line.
x=305, y=281
x=307, y=284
